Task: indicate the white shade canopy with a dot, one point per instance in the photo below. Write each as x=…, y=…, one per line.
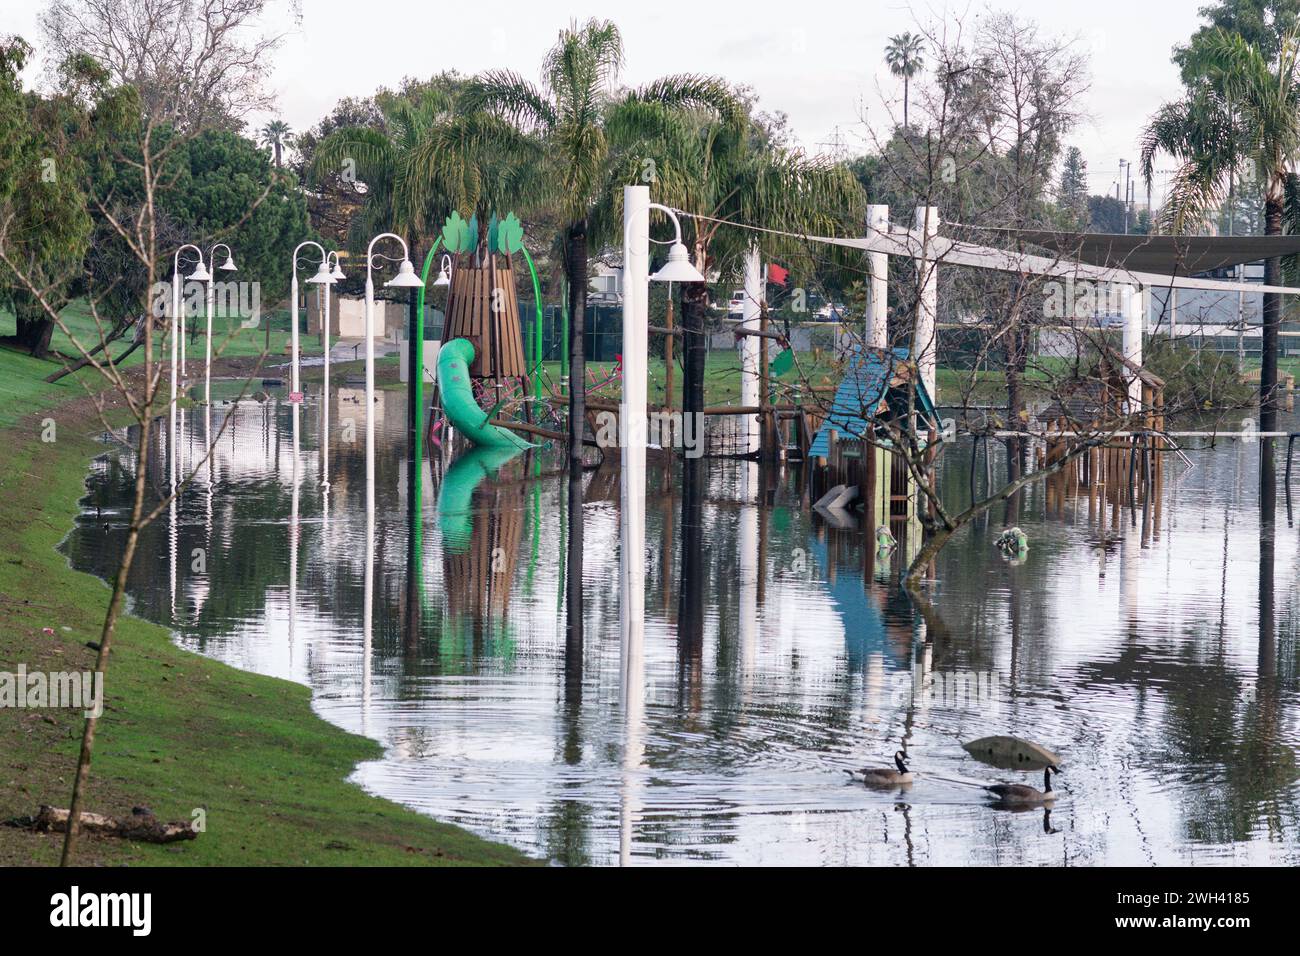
x=406, y=277
x=678, y=268
x=200, y=274
x=229, y=264
x=444, y=272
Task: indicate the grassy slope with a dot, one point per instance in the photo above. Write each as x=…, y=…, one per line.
x=180, y=731
x=21, y=390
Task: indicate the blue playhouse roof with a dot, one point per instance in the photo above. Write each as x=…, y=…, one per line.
x=862, y=388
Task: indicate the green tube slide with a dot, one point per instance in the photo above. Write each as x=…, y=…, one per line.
x=459, y=404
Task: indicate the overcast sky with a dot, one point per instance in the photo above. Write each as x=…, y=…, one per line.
x=821, y=62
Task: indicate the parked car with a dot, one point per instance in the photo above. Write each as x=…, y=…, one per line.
x=736, y=307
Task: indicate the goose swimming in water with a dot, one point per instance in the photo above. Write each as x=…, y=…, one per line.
x=1018, y=793
x=885, y=776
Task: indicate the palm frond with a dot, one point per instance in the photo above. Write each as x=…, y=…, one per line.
x=508, y=95
x=368, y=150
x=694, y=91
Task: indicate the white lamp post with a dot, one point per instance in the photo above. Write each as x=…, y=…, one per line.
x=227, y=266
x=405, y=278
x=632, y=412
x=322, y=275
x=878, y=284
x=337, y=275
x=751, y=350
x=178, y=327
x=924, y=346
x=1131, y=305
x=293, y=536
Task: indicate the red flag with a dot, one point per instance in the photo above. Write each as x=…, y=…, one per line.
x=776, y=274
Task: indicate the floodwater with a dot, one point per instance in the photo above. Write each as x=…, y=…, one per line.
x=1146, y=647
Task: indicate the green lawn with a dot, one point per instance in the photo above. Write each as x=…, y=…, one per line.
x=229, y=336
x=721, y=378
x=23, y=391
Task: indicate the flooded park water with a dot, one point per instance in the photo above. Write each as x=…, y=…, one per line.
x=1151, y=648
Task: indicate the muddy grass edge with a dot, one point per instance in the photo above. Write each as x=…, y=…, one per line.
x=180, y=733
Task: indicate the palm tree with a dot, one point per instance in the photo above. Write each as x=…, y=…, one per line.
x=1241, y=113
x=276, y=135
x=568, y=112
x=904, y=54
x=429, y=157
x=726, y=169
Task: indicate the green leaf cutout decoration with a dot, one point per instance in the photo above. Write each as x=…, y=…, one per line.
x=783, y=362
x=510, y=235
x=455, y=234
x=492, y=232
x=471, y=235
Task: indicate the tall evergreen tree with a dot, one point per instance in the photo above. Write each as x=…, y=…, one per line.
x=1072, y=193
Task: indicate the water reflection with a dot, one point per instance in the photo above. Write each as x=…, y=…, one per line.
x=1148, y=644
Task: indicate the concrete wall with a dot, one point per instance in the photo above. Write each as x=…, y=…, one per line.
x=348, y=316
x=430, y=360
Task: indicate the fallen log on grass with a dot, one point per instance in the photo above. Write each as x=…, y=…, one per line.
x=141, y=825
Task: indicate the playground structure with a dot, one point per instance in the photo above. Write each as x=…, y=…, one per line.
x=835, y=438
x=483, y=301
x=456, y=360
x=880, y=386
x=1129, y=468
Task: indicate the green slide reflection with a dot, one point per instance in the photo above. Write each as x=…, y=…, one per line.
x=455, y=500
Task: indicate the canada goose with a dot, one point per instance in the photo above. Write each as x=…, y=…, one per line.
x=1018, y=793
x=885, y=776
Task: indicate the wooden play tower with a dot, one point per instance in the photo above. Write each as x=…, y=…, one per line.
x=483, y=300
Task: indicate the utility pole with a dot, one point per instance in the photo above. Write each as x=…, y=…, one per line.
x=1126, y=168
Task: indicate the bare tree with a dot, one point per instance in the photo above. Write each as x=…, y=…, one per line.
x=180, y=69
x=988, y=127
x=194, y=62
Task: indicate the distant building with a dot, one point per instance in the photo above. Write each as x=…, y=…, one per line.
x=348, y=317
x=605, y=285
